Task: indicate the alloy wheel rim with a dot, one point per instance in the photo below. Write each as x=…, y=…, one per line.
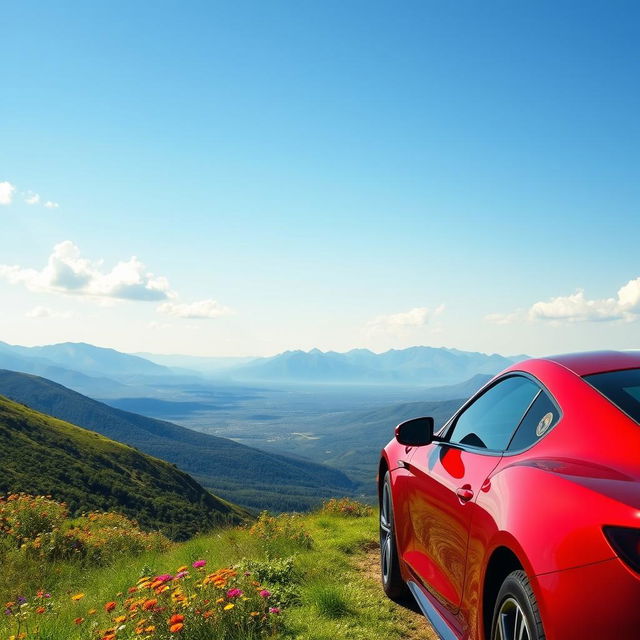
x=385, y=534
x=511, y=623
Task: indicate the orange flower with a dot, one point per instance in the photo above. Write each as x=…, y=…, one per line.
x=79, y=620
x=110, y=606
x=176, y=618
x=175, y=628
x=40, y=610
x=149, y=604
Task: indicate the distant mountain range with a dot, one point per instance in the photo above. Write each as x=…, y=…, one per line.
x=412, y=366
x=101, y=372
x=244, y=475
x=88, y=359
x=42, y=455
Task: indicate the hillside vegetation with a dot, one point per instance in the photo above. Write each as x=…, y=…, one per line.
x=286, y=577
x=42, y=455
x=238, y=473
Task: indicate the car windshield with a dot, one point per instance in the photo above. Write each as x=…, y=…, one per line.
x=621, y=387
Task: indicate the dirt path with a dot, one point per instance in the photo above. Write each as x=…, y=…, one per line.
x=413, y=625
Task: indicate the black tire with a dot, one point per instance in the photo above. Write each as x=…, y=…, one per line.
x=516, y=615
x=392, y=581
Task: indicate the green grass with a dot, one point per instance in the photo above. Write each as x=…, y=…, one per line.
x=321, y=590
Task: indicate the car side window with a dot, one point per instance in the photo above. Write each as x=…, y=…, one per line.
x=542, y=416
x=490, y=421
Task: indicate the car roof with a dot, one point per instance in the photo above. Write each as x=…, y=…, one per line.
x=588, y=362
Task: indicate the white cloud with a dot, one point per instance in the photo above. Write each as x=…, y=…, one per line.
x=576, y=307
x=68, y=273
x=31, y=198
x=45, y=312
x=417, y=317
x=203, y=309
x=6, y=192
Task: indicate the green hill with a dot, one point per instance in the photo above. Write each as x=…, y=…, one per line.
x=42, y=455
x=239, y=473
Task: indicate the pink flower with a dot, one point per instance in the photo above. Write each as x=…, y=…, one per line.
x=181, y=574
x=234, y=593
x=274, y=609
x=199, y=563
x=265, y=594
x=165, y=577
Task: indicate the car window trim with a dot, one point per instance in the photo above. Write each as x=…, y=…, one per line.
x=449, y=425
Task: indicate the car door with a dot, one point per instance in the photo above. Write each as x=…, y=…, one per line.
x=447, y=477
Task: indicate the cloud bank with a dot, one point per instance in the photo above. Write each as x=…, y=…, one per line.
x=67, y=272
x=576, y=307
x=417, y=317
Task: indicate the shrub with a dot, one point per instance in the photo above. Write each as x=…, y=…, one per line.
x=36, y=526
x=24, y=517
x=102, y=537
x=286, y=528
x=279, y=575
x=346, y=507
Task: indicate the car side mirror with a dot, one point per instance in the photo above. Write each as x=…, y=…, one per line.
x=415, y=432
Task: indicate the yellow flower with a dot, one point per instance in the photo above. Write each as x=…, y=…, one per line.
x=229, y=606
x=77, y=596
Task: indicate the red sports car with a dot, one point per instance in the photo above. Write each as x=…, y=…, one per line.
x=520, y=518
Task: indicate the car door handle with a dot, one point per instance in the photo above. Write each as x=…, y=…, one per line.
x=464, y=493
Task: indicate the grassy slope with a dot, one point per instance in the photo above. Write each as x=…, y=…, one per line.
x=337, y=601
x=43, y=455
x=239, y=473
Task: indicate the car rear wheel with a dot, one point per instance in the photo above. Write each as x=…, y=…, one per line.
x=392, y=581
x=516, y=615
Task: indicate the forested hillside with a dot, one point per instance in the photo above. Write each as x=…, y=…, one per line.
x=42, y=455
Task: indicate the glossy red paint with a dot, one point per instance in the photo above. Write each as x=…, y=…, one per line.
x=464, y=516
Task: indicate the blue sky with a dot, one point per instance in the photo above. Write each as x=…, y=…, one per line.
x=329, y=174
